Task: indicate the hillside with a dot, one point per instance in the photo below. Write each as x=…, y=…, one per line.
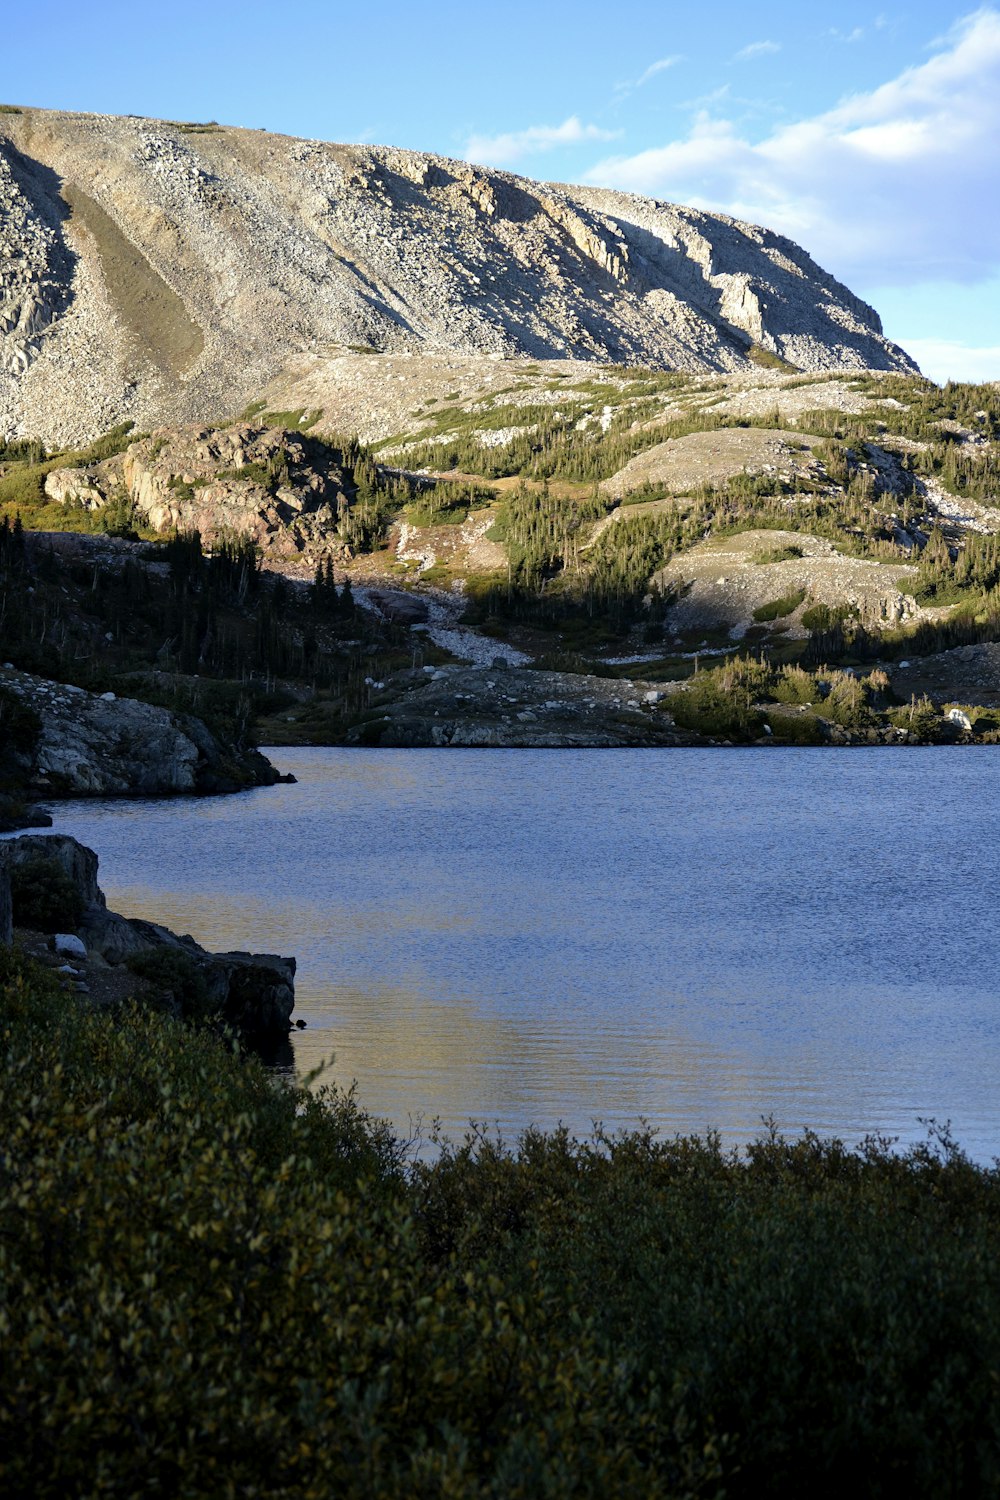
x=154, y=271
x=756, y=556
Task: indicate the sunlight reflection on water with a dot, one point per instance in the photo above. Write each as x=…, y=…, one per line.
x=696, y=937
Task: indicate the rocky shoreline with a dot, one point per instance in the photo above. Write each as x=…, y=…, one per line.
x=110, y=957
x=80, y=744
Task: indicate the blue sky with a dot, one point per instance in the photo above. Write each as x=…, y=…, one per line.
x=868, y=133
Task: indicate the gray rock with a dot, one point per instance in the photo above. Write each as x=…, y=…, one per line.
x=77, y=862
x=107, y=746
x=311, y=234
x=69, y=946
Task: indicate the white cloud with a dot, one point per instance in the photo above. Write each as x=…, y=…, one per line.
x=658, y=67
x=501, y=150
x=756, y=49
x=945, y=359
x=893, y=186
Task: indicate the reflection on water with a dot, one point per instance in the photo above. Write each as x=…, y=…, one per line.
x=694, y=937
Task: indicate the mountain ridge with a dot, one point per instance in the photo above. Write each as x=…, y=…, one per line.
x=154, y=271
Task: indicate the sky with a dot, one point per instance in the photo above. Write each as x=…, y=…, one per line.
x=867, y=133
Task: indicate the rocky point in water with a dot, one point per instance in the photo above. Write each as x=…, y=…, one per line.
x=111, y=956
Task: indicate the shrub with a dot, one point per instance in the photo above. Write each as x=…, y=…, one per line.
x=795, y=685
x=44, y=897
x=20, y=726
x=847, y=702
x=919, y=717
x=213, y=1283
x=822, y=617
x=721, y=703
x=777, y=609
x=777, y=554
x=175, y=975
x=796, y=729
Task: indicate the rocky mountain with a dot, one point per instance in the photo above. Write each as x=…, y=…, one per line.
x=156, y=271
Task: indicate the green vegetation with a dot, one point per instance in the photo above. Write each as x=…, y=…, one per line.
x=557, y=578
x=723, y=703
x=176, y=979
x=446, y=504
x=563, y=441
x=213, y=636
x=302, y=419
x=24, y=465
x=794, y=685
x=778, y=609
x=731, y=701
x=766, y=359
x=591, y=580
x=777, y=554
x=44, y=897
x=795, y=729
x=919, y=717
x=822, y=618
x=214, y=1283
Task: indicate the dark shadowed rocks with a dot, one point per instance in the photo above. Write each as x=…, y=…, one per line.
x=254, y=993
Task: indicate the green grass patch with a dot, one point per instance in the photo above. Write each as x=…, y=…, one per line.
x=776, y=555
x=822, y=617
x=767, y=359
x=778, y=609
x=302, y=419
x=796, y=729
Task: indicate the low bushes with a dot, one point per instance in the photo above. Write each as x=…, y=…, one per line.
x=779, y=609
x=44, y=897
x=214, y=1283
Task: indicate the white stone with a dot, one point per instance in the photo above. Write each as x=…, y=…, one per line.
x=69, y=945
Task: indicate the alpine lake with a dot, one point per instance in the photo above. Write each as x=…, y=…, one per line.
x=698, y=939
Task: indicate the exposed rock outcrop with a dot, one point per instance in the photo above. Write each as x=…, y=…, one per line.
x=261, y=482
x=197, y=265
x=503, y=708
x=104, y=746
x=254, y=993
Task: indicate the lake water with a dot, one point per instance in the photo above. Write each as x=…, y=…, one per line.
x=697, y=937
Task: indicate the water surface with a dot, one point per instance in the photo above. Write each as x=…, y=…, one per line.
x=696, y=937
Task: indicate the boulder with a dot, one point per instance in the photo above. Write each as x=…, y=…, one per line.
x=68, y=945
x=260, y=994
x=76, y=861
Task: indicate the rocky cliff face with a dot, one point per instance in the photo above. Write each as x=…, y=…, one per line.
x=165, y=272
x=256, y=481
